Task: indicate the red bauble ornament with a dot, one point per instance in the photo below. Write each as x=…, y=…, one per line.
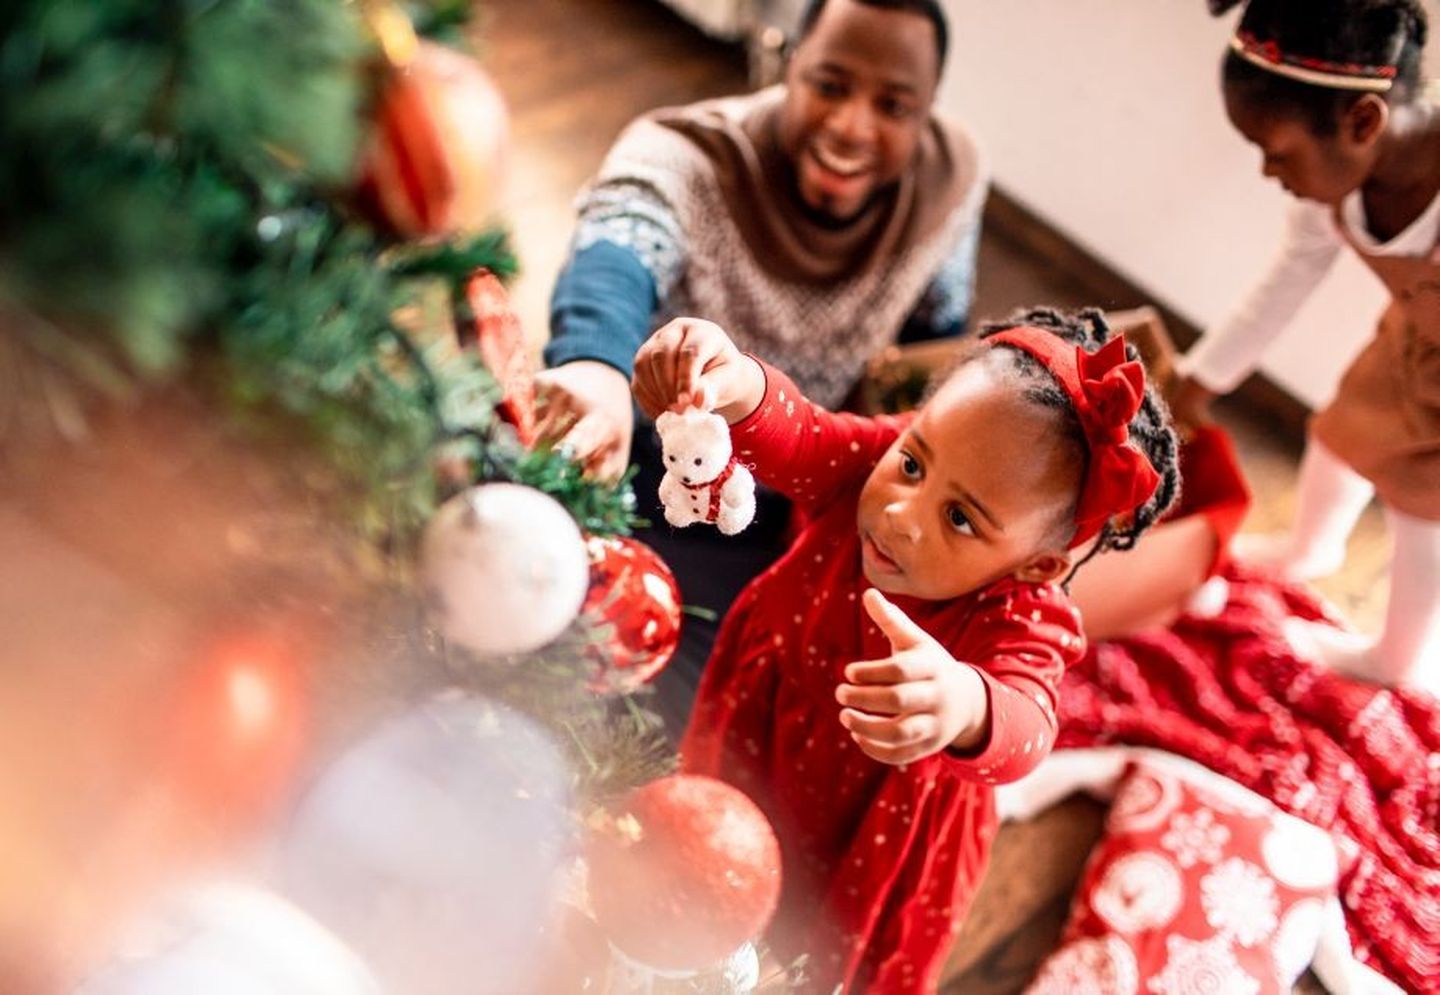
x=436, y=157
x=634, y=593
x=497, y=336
x=238, y=725
x=683, y=872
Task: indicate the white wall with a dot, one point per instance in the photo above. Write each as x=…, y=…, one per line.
x=1104, y=116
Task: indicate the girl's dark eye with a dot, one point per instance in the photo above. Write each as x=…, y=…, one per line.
x=955, y=515
x=697, y=460
x=909, y=465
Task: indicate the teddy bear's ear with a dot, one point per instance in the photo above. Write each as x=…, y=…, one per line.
x=712, y=428
x=665, y=420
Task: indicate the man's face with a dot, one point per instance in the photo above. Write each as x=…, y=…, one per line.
x=858, y=92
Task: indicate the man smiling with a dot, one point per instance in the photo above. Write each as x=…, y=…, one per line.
x=819, y=221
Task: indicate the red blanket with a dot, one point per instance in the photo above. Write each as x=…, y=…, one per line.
x=1352, y=758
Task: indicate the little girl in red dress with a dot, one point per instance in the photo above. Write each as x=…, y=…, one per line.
x=871, y=687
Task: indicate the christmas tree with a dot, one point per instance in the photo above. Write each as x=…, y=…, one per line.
x=268, y=481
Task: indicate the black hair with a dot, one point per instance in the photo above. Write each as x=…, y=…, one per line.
x=1365, y=32
x=929, y=9
x=1150, y=430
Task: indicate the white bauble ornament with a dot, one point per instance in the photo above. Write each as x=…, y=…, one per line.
x=230, y=939
x=434, y=846
x=504, y=569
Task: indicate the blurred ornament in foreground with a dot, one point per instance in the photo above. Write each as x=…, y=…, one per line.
x=504, y=569
x=238, y=725
x=683, y=872
x=432, y=847
x=580, y=959
x=230, y=939
x=737, y=974
x=636, y=602
x=436, y=158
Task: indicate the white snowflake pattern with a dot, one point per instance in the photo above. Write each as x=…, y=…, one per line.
x=1300, y=855
x=1201, y=967
x=1297, y=938
x=1239, y=901
x=1144, y=801
x=1195, y=837
x=1139, y=891
x=1092, y=966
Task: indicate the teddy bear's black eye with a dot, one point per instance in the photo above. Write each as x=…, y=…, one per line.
x=672, y=459
x=697, y=460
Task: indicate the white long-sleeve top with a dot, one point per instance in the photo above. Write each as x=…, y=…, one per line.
x=1228, y=353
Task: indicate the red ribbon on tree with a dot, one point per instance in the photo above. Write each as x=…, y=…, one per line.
x=1107, y=390
x=496, y=333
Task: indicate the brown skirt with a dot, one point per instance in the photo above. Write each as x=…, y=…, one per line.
x=1385, y=418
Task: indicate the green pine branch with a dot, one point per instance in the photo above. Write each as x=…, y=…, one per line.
x=175, y=208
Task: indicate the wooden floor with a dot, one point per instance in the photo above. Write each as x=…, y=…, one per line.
x=574, y=72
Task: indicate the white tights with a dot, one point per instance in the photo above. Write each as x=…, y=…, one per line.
x=1330, y=498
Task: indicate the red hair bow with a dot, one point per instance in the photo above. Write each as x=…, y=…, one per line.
x=1107, y=390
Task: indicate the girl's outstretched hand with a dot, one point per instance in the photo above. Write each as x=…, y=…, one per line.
x=690, y=362
x=917, y=701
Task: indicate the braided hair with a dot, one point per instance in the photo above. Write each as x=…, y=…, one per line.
x=1367, y=32
x=1150, y=430
x=929, y=9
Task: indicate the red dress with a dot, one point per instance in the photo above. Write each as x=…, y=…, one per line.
x=880, y=862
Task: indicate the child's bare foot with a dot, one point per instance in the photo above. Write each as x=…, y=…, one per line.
x=1348, y=653
x=1280, y=553
x=1358, y=656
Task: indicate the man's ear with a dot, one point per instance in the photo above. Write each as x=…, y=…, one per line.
x=1044, y=567
x=1364, y=122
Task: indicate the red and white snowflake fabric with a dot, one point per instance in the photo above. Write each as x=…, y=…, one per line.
x=1360, y=761
x=1198, y=886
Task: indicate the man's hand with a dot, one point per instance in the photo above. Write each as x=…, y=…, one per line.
x=585, y=406
x=917, y=701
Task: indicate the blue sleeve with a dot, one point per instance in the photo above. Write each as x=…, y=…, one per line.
x=602, y=307
x=627, y=257
x=944, y=308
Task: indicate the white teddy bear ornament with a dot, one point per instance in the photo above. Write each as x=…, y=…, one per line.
x=703, y=482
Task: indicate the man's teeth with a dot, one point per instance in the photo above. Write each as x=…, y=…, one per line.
x=839, y=164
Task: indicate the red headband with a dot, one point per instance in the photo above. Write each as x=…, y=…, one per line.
x=1267, y=54
x=1107, y=391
